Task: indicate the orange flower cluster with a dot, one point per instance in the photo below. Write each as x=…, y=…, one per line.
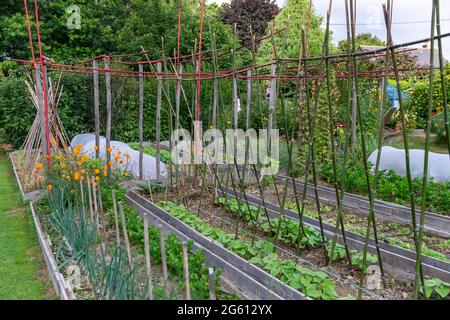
x=78, y=166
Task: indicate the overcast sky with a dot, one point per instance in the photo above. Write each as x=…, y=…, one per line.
x=411, y=19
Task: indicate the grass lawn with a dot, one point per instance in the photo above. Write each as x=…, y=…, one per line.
x=22, y=268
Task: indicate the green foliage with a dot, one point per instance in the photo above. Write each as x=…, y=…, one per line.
x=152, y=188
x=356, y=256
x=288, y=43
x=438, y=125
x=107, y=27
x=15, y=117
x=418, y=100
x=20, y=268
x=285, y=230
x=164, y=154
x=425, y=250
x=315, y=284
x=198, y=271
x=362, y=39
x=394, y=188
x=437, y=287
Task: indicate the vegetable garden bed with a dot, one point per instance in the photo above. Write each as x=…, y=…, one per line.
x=256, y=246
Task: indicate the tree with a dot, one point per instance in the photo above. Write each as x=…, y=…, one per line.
x=362, y=39
x=246, y=14
x=288, y=42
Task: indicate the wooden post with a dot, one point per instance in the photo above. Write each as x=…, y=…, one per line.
x=40, y=97
x=116, y=219
x=178, y=98
x=187, y=287
x=94, y=193
x=235, y=114
x=247, y=115
x=215, y=100
x=96, y=108
x=148, y=259
x=141, y=121
x=125, y=232
x=82, y=194
x=249, y=98
x=108, y=113
x=100, y=205
x=102, y=212
x=90, y=199
x=158, y=121
x=212, y=284
x=162, y=245
x=354, y=109
x=272, y=103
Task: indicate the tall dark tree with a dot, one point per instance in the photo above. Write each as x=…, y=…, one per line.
x=249, y=13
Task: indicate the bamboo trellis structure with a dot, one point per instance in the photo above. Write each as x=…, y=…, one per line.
x=307, y=73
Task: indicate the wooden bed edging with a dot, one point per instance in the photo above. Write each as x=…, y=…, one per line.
x=253, y=281
x=435, y=224
x=397, y=261
x=62, y=288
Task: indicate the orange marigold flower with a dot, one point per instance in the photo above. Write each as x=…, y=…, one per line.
x=79, y=163
x=40, y=165
x=95, y=148
x=105, y=173
x=50, y=187
x=53, y=141
x=109, y=149
x=127, y=155
x=116, y=158
x=119, y=152
x=63, y=165
x=125, y=174
x=110, y=163
x=67, y=177
x=83, y=171
x=82, y=178
x=96, y=171
x=105, y=168
x=97, y=178
x=76, y=176
x=47, y=157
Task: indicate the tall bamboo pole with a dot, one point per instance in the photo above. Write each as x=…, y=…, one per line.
x=148, y=263
x=141, y=121
x=158, y=120
x=442, y=74
x=41, y=112
x=96, y=108
x=108, y=113
x=387, y=18
x=371, y=216
x=426, y=159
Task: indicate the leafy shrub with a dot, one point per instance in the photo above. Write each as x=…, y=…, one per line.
x=418, y=102
x=438, y=125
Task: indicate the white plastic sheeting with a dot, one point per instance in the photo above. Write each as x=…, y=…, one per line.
x=394, y=159
x=87, y=140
